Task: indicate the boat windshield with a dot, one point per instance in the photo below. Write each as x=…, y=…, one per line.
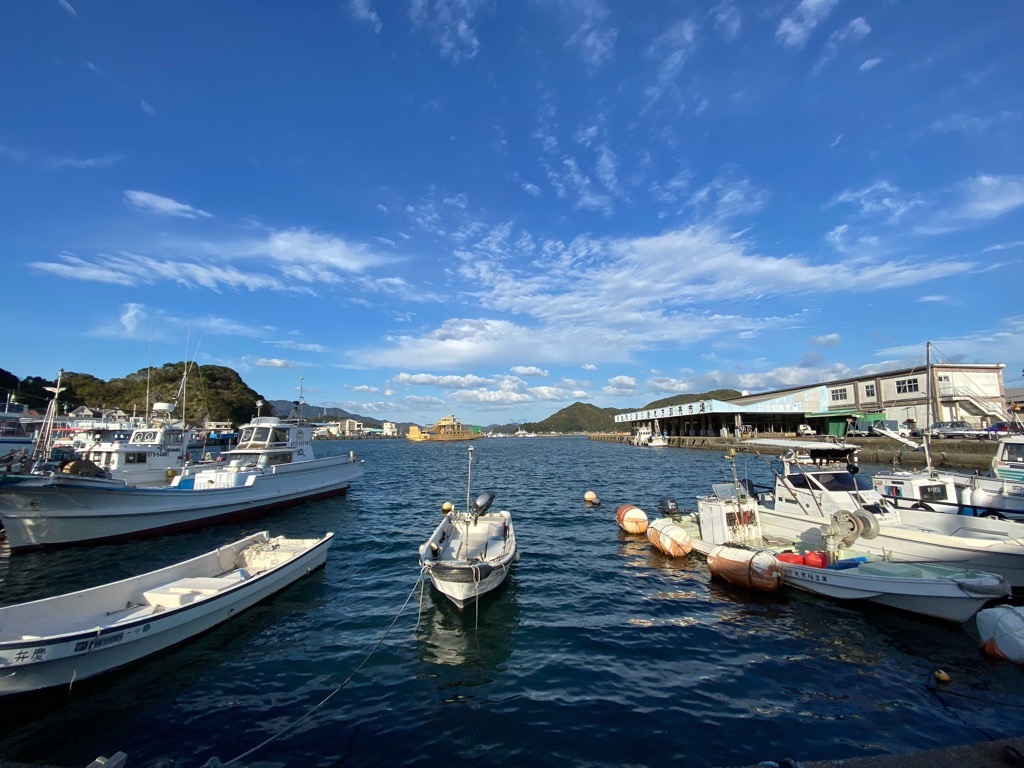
x=838, y=481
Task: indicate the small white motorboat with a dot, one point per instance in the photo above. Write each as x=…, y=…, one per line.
x=727, y=524
x=57, y=640
x=470, y=553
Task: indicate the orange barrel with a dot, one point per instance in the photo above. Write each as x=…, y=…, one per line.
x=631, y=519
x=671, y=538
x=753, y=568
x=816, y=559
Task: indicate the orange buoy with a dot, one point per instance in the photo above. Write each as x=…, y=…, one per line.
x=631, y=519
x=591, y=498
x=671, y=538
x=753, y=568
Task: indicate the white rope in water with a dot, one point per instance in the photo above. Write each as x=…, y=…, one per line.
x=215, y=762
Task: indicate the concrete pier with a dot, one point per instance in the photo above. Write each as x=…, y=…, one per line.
x=967, y=455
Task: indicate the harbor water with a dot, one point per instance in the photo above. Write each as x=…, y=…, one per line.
x=598, y=651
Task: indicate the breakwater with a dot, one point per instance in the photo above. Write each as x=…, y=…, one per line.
x=969, y=455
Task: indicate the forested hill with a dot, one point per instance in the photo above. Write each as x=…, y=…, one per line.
x=583, y=417
x=211, y=392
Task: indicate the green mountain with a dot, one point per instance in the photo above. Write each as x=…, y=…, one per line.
x=211, y=392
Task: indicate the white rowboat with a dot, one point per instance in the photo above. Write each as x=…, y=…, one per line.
x=57, y=640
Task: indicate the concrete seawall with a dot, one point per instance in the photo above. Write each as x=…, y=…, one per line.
x=968, y=455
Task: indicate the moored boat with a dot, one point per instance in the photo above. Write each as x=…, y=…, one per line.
x=55, y=641
x=471, y=552
x=273, y=466
x=816, y=481
x=727, y=529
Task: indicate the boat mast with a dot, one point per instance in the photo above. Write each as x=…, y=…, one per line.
x=931, y=415
x=45, y=439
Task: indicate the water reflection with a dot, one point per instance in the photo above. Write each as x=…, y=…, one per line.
x=480, y=637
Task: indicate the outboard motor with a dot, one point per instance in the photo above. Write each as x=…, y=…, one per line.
x=667, y=506
x=483, y=502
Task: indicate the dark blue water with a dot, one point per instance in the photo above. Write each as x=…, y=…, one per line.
x=598, y=651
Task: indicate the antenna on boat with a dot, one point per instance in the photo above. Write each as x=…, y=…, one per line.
x=469, y=478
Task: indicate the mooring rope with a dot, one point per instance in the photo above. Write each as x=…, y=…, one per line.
x=215, y=762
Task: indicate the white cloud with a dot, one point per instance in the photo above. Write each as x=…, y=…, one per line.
x=881, y=197
x=594, y=41
x=276, y=362
x=528, y=370
x=146, y=107
x=620, y=385
x=362, y=10
x=856, y=30
x=531, y=189
x=450, y=24
x=70, y=9
x=102, y=161
x=869, y=64
x=795, y=29
x=727, y=19
x=828, y=340
x=288, y=344
x=987, y=197
x=151, y=203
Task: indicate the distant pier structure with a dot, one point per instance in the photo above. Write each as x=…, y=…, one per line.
x=958, y=392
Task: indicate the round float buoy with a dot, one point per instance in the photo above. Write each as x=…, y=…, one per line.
x=170, y=474
x=671, y=538
x=446, y=508
x=753, y=568
x=631, y=519
x=591, y=498
x=942, y=676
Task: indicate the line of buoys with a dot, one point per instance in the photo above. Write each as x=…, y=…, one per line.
x=753, y=568
x=669, y=537
x=631, y=519
x=591, y=498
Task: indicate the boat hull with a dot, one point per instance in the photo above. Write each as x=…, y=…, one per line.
x=943, y=593
x=913, y=536
x=39, y=517
x=122, y=636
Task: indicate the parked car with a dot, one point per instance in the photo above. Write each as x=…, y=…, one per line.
x=1004, y=428
x=890, y=425
x=804, y=430
x=959, y=429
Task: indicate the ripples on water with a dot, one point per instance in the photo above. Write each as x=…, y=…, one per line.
x=597, y=651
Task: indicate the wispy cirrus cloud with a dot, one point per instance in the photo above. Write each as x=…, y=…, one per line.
x=362, y=10
x=450, y=24
x=101, y=161
x=880, y=197
x=794, y=30
x=149, y=202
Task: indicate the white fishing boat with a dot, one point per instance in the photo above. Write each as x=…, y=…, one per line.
x=646, y=437
x=470, y=553
x=58, y=640
x=727, y=529
x=816, y=481
x=272, y=466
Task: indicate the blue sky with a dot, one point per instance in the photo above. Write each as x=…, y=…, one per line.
x=498, y=208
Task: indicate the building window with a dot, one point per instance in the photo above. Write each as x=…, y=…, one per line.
x=869, y=390
x=838, y=395
x=906, y=386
